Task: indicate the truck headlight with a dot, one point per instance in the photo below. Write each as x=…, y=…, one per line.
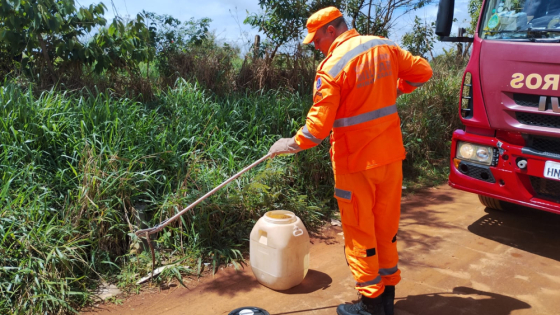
x=475, y=153
x=466, y=150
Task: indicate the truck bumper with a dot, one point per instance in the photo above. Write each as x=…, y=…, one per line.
x=506, y=181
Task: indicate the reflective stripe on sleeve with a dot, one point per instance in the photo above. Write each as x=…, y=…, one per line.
x=344, y=194
x=368, y=283
x=415, y=84
x=309, y=136
x=388, y=271
x=358, y=119
x=337, y=68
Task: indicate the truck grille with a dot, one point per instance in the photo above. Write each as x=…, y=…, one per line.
x=546, y=188
x=548, y=145
x=530, y=100
x=479, y=172
x=541, y=120
x=526, y=99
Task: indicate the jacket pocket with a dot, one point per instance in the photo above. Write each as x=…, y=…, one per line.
x=347, y=206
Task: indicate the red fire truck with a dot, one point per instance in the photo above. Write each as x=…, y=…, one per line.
x=509, y=149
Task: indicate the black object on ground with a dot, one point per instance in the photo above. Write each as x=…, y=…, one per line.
x=249, y=310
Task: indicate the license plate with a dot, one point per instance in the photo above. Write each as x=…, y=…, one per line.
x=552, y=170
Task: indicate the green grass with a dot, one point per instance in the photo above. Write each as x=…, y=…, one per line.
x=76, y=169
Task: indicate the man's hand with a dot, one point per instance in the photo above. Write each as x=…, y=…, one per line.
x=284, y=145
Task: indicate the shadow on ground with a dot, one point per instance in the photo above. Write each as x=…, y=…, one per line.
x=462, y=300
x=418, y=211
x=235, y=283
x=530, y=230
x=232, y=284
x=313, y=281
x=327, y=236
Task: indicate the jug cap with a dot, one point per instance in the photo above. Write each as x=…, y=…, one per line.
x=280, y=217
x=249, y=310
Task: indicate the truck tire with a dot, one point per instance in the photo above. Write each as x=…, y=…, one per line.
x=490, y=202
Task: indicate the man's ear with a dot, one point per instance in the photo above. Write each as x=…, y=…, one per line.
x=331, y=30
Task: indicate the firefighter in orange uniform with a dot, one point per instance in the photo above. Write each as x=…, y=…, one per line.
x=355, y=93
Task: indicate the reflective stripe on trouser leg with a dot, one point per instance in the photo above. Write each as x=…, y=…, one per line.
x=370, y=222
x=369, y=283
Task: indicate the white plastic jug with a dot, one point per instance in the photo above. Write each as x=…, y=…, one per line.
x=279, y=250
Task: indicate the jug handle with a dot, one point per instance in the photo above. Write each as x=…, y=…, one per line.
x=297, y=231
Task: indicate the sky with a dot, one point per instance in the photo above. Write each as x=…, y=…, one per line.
x=228, y=15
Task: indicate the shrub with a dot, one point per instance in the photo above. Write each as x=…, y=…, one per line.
x=430, y=115
x=294, y=72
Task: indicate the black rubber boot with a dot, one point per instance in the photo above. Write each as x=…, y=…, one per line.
x=366, y=306
x=388, y=298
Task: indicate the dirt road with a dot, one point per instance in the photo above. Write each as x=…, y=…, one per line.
x=456, y=258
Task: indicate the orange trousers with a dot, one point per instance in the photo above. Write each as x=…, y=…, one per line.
x=370, y=203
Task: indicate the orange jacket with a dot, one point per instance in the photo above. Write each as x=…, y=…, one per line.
x=355, y=96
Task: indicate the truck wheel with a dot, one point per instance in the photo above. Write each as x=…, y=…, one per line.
x=490, y=202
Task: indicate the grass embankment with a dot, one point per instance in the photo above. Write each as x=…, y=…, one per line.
x=75, y=171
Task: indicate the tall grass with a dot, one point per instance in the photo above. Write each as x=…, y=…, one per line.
x=75, y=170
x=80, y=172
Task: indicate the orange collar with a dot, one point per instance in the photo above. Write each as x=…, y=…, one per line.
x=342, y=38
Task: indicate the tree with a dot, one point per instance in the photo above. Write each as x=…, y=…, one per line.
x=284, y=20
x=123, y=45
x=169, y=37
x=474, y=12
x=37, y=31
x=377, y=17
x=167, y=31
x=49, y=34
x=474, y=7
x=420, y=40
